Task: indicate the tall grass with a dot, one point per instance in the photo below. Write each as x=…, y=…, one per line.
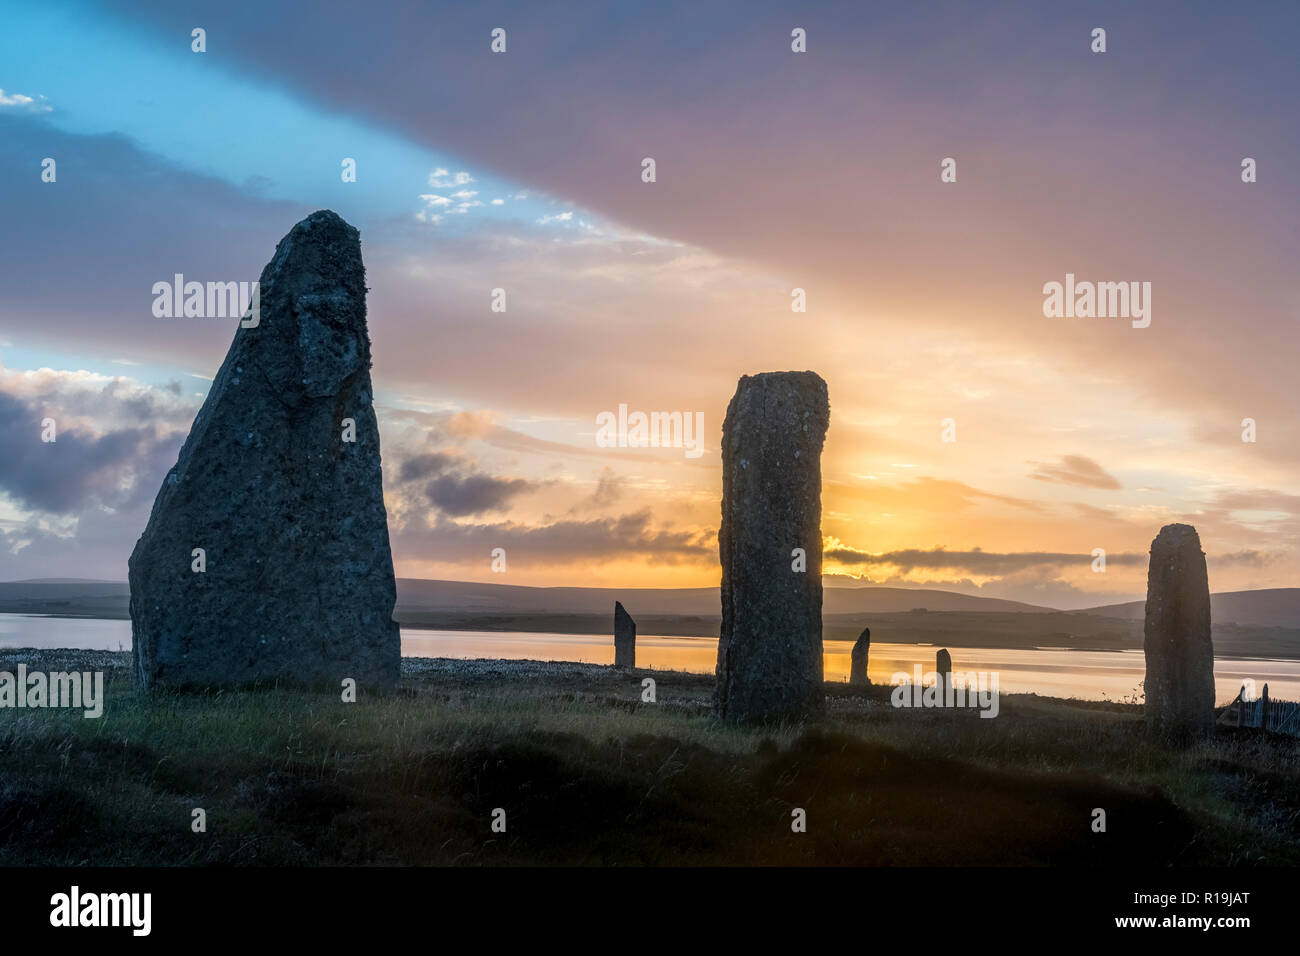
x=588, y=773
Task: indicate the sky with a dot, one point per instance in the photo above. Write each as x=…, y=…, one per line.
x=775, y=170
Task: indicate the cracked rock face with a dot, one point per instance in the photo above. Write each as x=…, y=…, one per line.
x=297, y=577
x=770, y=648
x=1179, y=652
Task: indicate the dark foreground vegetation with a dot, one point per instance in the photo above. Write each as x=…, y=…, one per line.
x=589, y=774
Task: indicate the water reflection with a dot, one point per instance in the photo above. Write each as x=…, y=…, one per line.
x=1053, y=672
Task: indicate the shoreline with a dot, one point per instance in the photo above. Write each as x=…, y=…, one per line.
x=585, y=628
x=470, y=671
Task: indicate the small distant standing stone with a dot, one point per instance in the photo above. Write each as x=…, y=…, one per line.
x=1179, y=652
x=624, y=638
x=943, y=668
x=858, y=659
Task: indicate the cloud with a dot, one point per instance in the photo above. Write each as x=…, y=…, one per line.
x=609, y=489
x=458, y=488
x=63, y=283
x=422, y=466
x=993, y=564
x=81, y=468
x=974, y=561
x=459, y=495
x=469, y=424
x=1076, y=470
x=588, y=120
x=476, y=424
x=931, y=494
x=560, y=542
x=672, y=321
x=1257, y=499
x=90, y=399
x=1246, y=558
x=91, y=546
x=437, y=205
x=1034, y=586
x=17, y=101
x=442, y=179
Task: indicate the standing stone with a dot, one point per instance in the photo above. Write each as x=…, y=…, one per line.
x=943, y=671
x=624, y=638
x=284, y=496
x=1179, y=654
x=770, y=649
x=858, y=659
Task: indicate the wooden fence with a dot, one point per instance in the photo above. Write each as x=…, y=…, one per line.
x=1279, y=716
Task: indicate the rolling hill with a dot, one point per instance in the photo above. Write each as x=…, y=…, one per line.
x=425, y=595
x=1267, y=607
x=1264, y=623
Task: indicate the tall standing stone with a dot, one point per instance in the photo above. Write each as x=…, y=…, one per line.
x=279, y=484
x=770, y=543
x=624, y=638
x=858, y=659
x=1179, y=653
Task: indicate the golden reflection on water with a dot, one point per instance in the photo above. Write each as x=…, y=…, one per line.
x=1055, y=672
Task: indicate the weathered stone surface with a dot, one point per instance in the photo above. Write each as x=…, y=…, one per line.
x=624, y=638
x=943, y=670
x=298, y=584
x=770, y=651
x=858, y=659
x=1179, y=653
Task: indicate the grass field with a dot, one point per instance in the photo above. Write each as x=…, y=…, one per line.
x=589, y=774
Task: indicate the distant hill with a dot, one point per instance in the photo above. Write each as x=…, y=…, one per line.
x=465, y=605
x=1270, y=607
x=1263, y=619
x=70, y=598
x=62, y=581
x=880, y=600
x=425, y=595
x=1267, y=607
